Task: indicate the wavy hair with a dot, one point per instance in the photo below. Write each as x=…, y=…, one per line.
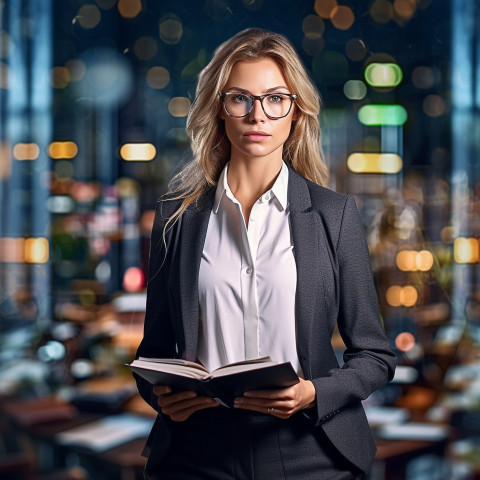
x=209, y=143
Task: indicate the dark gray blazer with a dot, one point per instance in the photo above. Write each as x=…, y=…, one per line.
x=334, y=286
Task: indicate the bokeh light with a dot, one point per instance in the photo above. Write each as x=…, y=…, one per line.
x=36, y=250
x=89, y=16
x=383, y=74
x=466, y=250
x=179, y=106
x=158, y=77
x=381, y=11
x=4, y=74
x=342, y=17
x=434, y=106
x=405, y=341
x=76, y=69
x=129, y=8
x=138, y=152
x=66, y=149
x=60, y=77
x=170, y=29
x=133, y=279
x=405, y=9
x=423, y=77
x=324, y=8
x=355, y=90
x=413, y=261
x=375, y=115
x=356, y=49
x=374, y=163
x=330, y=68
x=398, y=296
x=313, y=27
x=26, y=151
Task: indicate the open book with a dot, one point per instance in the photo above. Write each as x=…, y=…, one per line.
x=225, y=383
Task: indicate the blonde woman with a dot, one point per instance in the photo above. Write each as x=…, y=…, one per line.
x=251, y=255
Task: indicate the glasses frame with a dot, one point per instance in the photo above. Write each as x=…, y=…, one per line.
x=292, y=96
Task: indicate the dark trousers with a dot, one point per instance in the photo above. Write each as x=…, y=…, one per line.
x=228, y=444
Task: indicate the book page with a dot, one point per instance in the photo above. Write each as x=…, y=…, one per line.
x=175, y=368
x=241, y=367
x=174, y=361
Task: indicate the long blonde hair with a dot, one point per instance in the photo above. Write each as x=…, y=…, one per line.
x=210, y=146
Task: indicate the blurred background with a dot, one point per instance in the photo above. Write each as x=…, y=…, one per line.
x=94, y=96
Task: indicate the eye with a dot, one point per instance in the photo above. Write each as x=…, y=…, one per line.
x=240, y=98
x=276, y=98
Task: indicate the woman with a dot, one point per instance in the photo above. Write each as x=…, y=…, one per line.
x=250, y=256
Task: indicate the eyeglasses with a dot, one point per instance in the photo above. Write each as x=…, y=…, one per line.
x=238, y=105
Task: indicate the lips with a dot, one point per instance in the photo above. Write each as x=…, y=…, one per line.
x=256, y=136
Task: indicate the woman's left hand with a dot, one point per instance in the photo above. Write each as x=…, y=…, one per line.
x=281, y=403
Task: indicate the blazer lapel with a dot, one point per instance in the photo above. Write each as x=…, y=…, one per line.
x=194, y=229
x=307, y=233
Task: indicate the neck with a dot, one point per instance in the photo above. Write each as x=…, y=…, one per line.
x=249, y=180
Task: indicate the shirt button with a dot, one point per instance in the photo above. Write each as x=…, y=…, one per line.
x=266, y=197
x=249, y=270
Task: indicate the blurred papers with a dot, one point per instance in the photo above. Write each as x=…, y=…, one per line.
x=380, y=416
x=108, y=432
x=414, y=431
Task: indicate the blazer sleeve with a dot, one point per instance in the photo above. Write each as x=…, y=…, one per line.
x=158, y=336
x=369, y=360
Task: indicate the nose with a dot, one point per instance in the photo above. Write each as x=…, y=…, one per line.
x=257, y=114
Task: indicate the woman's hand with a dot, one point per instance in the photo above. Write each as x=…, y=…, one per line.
x=281, y=403
x=180, y=405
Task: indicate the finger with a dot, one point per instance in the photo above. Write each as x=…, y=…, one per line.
x=171, y=399
x=174, y=408
x=270, y=394
x=161, y=389
x=184, y=413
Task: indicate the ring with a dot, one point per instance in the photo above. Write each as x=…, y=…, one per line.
x=270, y=409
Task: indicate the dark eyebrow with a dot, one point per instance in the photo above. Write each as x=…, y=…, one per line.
x=243, y=90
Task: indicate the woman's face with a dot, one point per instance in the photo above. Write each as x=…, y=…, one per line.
x=256, y=135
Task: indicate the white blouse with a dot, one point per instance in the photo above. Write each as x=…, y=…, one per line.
x=247, y=280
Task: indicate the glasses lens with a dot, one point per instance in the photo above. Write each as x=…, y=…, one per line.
x=276, y=105
x=238, y=104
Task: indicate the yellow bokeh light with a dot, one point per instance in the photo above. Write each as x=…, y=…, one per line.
x=36, y=250
x=26, y=151
x=170, y=29
x=413, y=261
x=138, y=152
x=374, y=163
x=66, y=149
x=398, y=296
x=129, y=8
x=405, y=9
x=179, y=106
x=393, y=296
x=158, y=77
x=60, y=77
x=466, y=250
x=89, y=16
x=324, y=8
x=342, y=17
x=409, y=296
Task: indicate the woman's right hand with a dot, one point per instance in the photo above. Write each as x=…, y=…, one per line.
x=180, y=405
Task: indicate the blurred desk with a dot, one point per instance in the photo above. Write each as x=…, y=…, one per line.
x=122, y=462
x=393, y=456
